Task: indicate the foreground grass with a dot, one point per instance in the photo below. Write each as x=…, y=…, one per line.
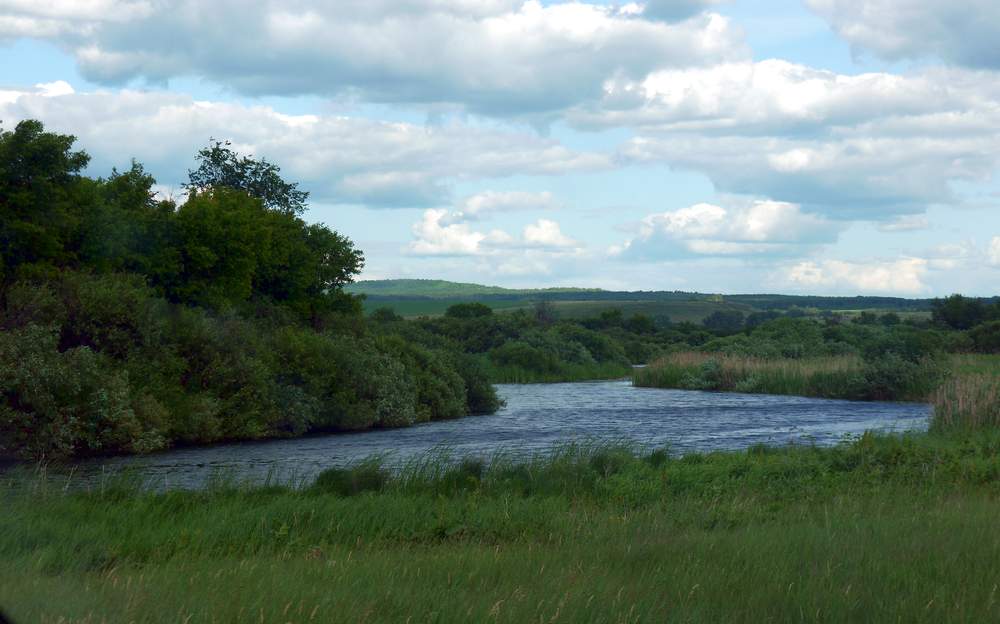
x=883, y=529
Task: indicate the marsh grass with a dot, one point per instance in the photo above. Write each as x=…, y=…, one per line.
x=879, y=529
x=825, y=377
x=833, y=377
x=970, y=398
x=566, y=373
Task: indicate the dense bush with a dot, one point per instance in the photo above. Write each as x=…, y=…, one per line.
x=129, y=323
x=97, y=364
x=986, y=337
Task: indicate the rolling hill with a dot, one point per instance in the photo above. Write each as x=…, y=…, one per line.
x=426, y=297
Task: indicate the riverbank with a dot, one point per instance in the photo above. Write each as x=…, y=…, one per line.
x=536, y=418
x=882, y=529
x=954, y=384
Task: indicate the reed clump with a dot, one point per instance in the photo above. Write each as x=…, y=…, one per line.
x=889, y=377
x=967, y=402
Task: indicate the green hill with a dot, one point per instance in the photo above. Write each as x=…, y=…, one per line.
x=443, y=288
x=427, y=297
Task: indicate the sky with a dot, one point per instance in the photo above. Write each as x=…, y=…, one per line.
x=835, y=147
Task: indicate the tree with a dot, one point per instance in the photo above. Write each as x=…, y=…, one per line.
x=959, y=312
x=640, y=324
x=41, y=195
x=220, y=166
x=986, y=337
x=545, y=312
x=468, y=310
x=729, y=321
x=223, y=234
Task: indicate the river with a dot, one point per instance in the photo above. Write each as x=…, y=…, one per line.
x=537, y=417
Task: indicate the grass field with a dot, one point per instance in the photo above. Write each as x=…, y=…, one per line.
x=879, y=530
x=415, y=308
x=675, y=311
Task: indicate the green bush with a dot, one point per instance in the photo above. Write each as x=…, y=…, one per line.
x=986, y=337
x=71, y=402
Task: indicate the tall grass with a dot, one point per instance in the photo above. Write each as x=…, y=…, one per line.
x=881, y=529
x=831, y=377
x=970, y=398
x=566, y=373
x=967, y=402
x=835, y=377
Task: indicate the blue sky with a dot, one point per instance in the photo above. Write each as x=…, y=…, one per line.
x=817, y=146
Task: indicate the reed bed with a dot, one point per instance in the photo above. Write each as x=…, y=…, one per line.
x=969, y=401
x=832, y=377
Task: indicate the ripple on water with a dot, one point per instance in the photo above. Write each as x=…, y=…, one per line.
x=540, y=416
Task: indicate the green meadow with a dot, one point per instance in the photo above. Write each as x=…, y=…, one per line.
x=882, y=529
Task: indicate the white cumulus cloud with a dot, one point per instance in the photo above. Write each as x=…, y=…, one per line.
x=497, y=57
x=490, y=203
x=871, y=146
x=904, y=276
x=758, y=228
x=339, y=159
x=994, y=251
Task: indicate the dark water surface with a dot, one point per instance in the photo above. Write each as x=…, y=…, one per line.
x=538, y=417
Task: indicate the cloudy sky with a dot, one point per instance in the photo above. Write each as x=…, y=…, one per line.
x=804, y=146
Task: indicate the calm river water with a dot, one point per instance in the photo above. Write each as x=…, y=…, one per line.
x=538, y=417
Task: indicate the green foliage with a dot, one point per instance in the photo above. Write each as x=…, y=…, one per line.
x=960, y=312
x=724, y=321
x=129, y=324
x=986, y=337
x=42, y=197
x=368, y=476
x=887, y=377
x=62, y=403
x=221, y=167
x=468, y=310
x=385, y=315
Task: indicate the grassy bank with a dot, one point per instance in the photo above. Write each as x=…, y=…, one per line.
x=883, y=529
x=964, y=390
x=834, y=377
x=970, y=398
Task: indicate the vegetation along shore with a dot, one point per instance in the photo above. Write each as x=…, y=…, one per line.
x=131, y=323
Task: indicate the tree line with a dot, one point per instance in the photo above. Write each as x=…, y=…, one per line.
x=130, y=322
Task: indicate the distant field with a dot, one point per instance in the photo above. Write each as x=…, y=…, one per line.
x=448, y=290
x=423, y=297
x=676, y=311
x=903, y=314
x=413, y=308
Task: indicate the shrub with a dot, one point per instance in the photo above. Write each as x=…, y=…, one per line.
x=57, y=404
x=986, y=337
x=468, y=310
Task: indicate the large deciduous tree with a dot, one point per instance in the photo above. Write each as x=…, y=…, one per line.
x=220, y=166
x=40, y=197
